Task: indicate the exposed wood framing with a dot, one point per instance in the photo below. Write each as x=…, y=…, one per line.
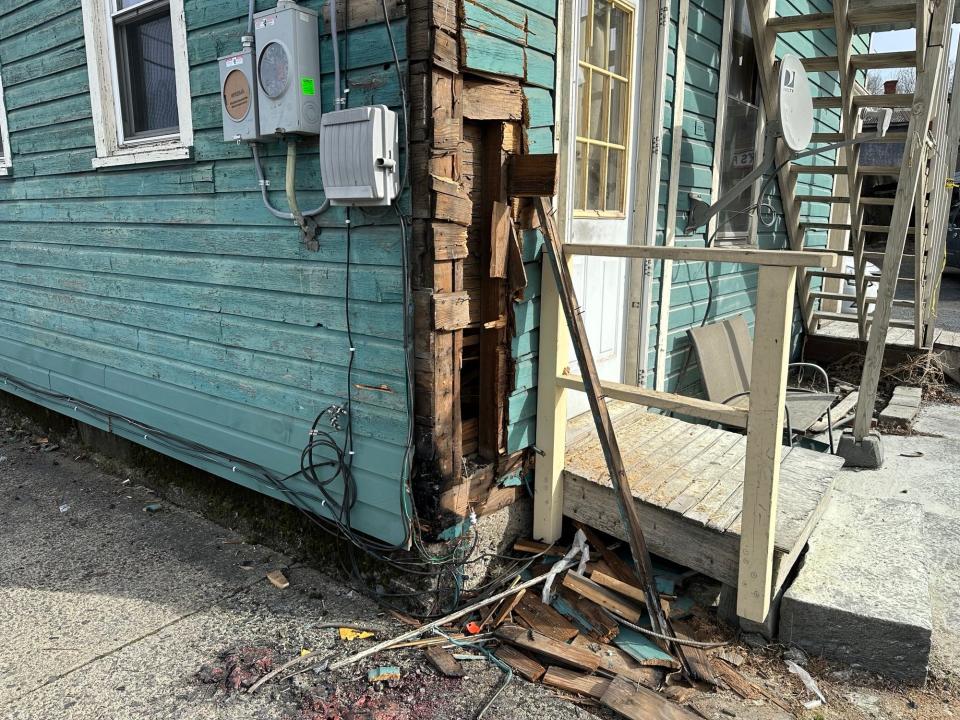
x=666, y=273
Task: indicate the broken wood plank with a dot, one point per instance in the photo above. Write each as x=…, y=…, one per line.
x=555, y=650
x=639, y=703
x=451, y=310
x=618, y=566
x=516, y=270
x=499, y=239
x=544, y=619
x=617, y=662
x=533, y=176
x=485, y=100
x=444, y=662
x=536, y=547
x=502, y=612
x=837, y=412
x=736, y=682
x=601, y=626
x=572, y=682
x=602, y=596
x=522, y=664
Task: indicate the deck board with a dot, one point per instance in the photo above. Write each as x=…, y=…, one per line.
x=688, y=483
x=897, y=337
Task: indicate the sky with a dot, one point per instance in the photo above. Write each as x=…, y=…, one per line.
x=904, y=40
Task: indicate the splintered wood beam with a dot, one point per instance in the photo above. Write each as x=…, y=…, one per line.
x=451, y=310
x=638, y=703
x=533, y=176
x=554, y=650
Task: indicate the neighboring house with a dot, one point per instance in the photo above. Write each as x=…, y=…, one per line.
x=145, y=289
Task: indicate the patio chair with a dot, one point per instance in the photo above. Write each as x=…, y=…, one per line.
x=724, y=350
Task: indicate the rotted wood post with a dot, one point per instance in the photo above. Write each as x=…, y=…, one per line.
x=771, y=350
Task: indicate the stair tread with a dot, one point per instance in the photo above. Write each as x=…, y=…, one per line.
x=867, y=17
x=801, y=23
x=840, y=137
x=892, y=100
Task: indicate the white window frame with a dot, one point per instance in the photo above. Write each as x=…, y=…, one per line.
x=112, y=148
x=6, y=160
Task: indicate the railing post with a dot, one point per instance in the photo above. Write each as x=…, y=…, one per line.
x=551, y=413
x=771, y=350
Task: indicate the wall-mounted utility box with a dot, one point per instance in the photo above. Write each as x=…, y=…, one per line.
x=238, y=94
x=288, y=70
x=359, y=156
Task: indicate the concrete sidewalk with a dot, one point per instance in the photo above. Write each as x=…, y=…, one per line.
x=109, y=611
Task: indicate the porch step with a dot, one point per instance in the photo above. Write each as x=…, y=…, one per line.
x=862, y=594
x=823, y=198
x=824, y=226
x=840, y=137
x=893, y=100
x=796, y=169
x=876, y=201
x=873, y=61
x=866, y=15
x=801, y=23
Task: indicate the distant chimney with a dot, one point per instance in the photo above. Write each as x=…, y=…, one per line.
x=890, y=87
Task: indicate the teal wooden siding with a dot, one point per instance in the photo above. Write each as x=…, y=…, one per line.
x=168, y=294
x=734, y=285
x=518, y=39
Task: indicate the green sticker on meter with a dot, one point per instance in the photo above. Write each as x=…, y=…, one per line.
x=308, y=86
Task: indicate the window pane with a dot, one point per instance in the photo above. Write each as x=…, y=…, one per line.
x=619, y=50
x=145, y=50
x=583, y=76
x=584, y=28
x=739, y=156
x=743, y=60
x=599, y=85
x=598, y=41
x=594, y=177
x=581, y=197
x=124, y=4
x=614, y=196
x=618, y=111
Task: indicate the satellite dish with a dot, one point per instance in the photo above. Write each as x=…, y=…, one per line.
x=796, y=105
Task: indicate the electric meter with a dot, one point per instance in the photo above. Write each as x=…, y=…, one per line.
x=288, y=70
x=238, y=96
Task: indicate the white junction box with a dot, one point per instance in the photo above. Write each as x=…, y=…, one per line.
x=288, y=70
x=238, y=95
x=359, y=156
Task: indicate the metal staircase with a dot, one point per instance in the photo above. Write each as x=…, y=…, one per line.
x=917, y=213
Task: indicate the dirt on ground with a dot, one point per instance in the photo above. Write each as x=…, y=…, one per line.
x=308, y=692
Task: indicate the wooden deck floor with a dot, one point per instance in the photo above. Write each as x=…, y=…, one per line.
x=897, y=337
x=688, y=483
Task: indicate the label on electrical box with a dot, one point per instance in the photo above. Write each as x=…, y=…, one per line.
x=233, y=61
x=308, y=86
x=304, y=17
x=266, y=22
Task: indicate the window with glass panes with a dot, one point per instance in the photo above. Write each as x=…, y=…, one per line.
x=603, y=96
x=146, y=78
x=741, y=127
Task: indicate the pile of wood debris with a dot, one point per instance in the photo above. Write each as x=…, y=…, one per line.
x=592, y=640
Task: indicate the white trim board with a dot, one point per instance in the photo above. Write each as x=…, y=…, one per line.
x=6, y=160
x=112, y=149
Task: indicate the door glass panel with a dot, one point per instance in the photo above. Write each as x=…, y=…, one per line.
x=594, y=175
x=603, y=84
x=619, y=48
x=615, y=167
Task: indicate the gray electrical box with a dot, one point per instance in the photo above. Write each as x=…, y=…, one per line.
x=288, y=70
x=238, y=94
x=359, y=156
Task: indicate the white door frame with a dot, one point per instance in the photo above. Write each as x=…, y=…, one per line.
x=638, y=172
